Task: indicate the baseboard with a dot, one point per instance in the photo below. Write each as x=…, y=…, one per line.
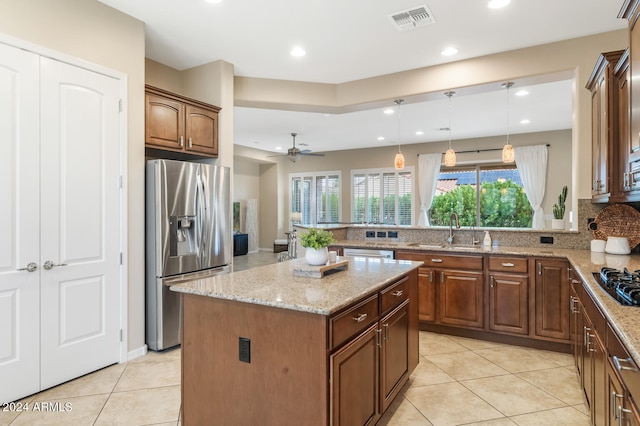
x=137, y=353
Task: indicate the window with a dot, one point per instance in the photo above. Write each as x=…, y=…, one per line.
x=382, y=196
x=316, y=197
x=481, y=196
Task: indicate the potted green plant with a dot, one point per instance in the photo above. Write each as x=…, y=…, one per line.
x=558, y=210
x=315, y=241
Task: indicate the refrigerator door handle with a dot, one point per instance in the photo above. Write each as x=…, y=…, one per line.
x=201, y=217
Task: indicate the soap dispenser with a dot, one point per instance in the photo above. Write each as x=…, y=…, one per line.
x=487, y=239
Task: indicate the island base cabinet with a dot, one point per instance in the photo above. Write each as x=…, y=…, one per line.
x=354, y=381
x=288, y=367
x=394, y=354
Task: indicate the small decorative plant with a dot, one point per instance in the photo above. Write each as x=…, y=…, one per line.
x=558, y=209
x=316, y=238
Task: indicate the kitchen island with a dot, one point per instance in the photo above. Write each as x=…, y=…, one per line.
x=264, y=346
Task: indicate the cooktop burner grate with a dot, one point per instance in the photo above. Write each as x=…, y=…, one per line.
x=623, y=286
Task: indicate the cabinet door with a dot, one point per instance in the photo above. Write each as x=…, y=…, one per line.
x=587, y=370
x=164, y=126
x=509, y=303
x=426, y=294
x=19, y=215
x=552, y=299
x=616, y=396
x=461, y=298
x=576, y=325
x=598, y=135
x=355, y=381
x=599, y=400
x=201, y=129
x=394, y=353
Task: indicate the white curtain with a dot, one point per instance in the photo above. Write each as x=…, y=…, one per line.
x=532, y=166
x=428, y=171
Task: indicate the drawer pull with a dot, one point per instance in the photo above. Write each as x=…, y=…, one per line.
x=508, y=264
x=617, y=362
x=436, y=260
x=360, y=317
x=397, y=293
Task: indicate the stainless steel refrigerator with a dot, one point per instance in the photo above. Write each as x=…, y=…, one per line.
x=188, y=236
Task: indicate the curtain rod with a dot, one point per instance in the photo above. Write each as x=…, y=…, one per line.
x=478, y=151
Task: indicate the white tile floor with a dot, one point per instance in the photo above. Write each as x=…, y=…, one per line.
x=459, y=381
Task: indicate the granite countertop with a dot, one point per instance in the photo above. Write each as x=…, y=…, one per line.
x=275, y=285
x=625, y=320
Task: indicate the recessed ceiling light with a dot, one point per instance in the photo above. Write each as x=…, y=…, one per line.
x=449, y=51
x=278, y=148
x=419, y=132
x=380, y=138
x=298, y=52
x=497, y=4
x=522, y=93
x=525, y=121
x=213, y=1
x=389, y=111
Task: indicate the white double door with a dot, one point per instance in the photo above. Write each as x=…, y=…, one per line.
x=59, y=222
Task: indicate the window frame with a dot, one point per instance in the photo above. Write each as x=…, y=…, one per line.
x=478, y=168
x=381, y=171
x=313, y=193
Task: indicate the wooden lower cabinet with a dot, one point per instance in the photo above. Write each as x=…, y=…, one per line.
x=394, y=354
x=552, y=298
x=461, y=298
x=509, y=303
x=426, y=294
x=354, y=381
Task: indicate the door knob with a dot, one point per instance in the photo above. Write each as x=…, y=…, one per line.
x=31, y=267
x=50, y=265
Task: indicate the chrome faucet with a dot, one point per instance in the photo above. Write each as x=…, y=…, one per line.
x=451, y=234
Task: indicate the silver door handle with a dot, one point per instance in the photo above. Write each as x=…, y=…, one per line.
x=50, y=265
x=190, y=143
x=436, y=260
x=360, y=317
x=508, y=264
x=397, y=293
x=31, y=267
x=181, y=140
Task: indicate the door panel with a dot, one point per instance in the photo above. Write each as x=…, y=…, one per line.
x=19, y=215
x=80, y=225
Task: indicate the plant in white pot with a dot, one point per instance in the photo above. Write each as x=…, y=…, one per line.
x=315, y=241
x=558, y=210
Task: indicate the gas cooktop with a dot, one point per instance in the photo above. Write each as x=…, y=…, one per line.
x=623, y=286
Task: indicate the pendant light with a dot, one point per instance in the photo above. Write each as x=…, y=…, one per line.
x=508, y=156
x=399, y=159
x=450, y=155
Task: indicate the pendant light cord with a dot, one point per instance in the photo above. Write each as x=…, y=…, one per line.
x=399, y=102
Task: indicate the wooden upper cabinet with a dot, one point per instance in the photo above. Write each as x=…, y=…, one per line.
x=604, y=123
x=180, y=124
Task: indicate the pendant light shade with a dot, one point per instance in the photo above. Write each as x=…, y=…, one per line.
x=398, y=161
x=450, y=155
x=508, y=156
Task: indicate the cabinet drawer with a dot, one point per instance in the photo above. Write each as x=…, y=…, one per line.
x=353, y=321
x=508, y=264
x=457, y=262
x=395, y=294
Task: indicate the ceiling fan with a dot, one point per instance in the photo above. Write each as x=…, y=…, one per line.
x=295, y=153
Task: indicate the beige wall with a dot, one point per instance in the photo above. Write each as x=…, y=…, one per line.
x=99, y=34
x=558, y=175
x=246, y=185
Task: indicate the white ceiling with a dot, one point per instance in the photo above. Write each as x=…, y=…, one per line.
x=355, y=39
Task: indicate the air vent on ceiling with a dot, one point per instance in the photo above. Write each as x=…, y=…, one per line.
x=415, y=17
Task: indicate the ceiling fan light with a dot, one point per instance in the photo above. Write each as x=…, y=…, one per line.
x=399, y=161
x=450, y=158
x=508, y=155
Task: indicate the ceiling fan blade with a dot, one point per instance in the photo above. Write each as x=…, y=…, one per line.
x=312, y=154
